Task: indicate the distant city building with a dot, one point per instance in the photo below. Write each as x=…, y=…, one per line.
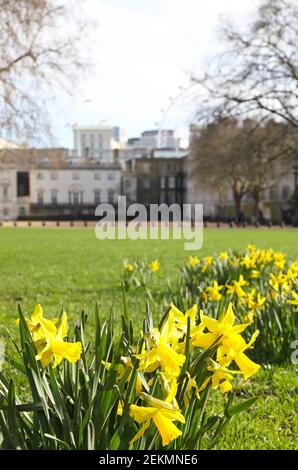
x=153, y=139
x=155, y=180
x=97, y=142
x=46, y=184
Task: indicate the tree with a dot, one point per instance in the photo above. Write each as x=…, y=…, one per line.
x=215, y=158
x=42, y=52
x=242, y=157
x=257, y=75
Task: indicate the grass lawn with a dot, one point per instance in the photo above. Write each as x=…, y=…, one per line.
x=71, y=268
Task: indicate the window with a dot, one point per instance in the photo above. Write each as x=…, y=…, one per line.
x=285, y=193
x=97, y=175
x=22, y=210
x=54, y=175
x=40, y=175
x=54, y=197
x=97, y=196
x=146, y=167
x=76, y=176
x=111, y=176
x=111, y=195
x=23, y=184
x=162, y=182
x=171, y=166
x=5, y=211
x=5, y=191
x=146, y=183
x=40, y=198
x=171, y=182
x=75, y=198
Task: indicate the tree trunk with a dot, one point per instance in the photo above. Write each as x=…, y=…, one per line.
x=238, y=206
x=258, y=212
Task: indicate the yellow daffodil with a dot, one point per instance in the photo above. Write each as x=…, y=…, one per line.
x=255, y=301
x=255, y=274
x=129, y=267
x=162, y=353
x=218, y=330
x=294, y=300
x=181, y=319
x=38, y=325
x=162, y=413
x=248, y=262
x=232, y=349
x=154, y=266
x=223, y=256
x=52, y=346
x=279, y=260
x=221, y=377
x=207, y=261
x=236, y=287
x=193, y=261
x=214, y=291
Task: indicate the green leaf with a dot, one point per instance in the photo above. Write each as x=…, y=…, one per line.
x=233, y=410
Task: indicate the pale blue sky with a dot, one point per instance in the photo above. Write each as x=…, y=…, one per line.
x=145, y=52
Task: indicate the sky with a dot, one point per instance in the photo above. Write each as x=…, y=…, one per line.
x=145, y=52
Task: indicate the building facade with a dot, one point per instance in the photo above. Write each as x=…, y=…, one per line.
x=155, y=180
x=97, y=142
x=45, y=184
x=157, y=138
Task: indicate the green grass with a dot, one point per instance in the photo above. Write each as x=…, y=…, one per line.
x=71, y=268
x=271, y=423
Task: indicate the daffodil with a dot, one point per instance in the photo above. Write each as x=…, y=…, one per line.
x=232, y=349
x=129, y=267
x=207, y=261
x=219, y=331
x=162, y=413
x=223, y=256
x=294, y=300
x=279, y=260
x=162, y=350
x=52, y=347
x=214, y=291
x=248, y=262
x=38, y=325
x=221, y=377
x=154, y=266
x=193, y=261
x=255, y=301
x=236, y=287
x=181, y=318
x=255, y=274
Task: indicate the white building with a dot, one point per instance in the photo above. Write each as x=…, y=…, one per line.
x=97, y=142
x=157, y=138
x=45, y=184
